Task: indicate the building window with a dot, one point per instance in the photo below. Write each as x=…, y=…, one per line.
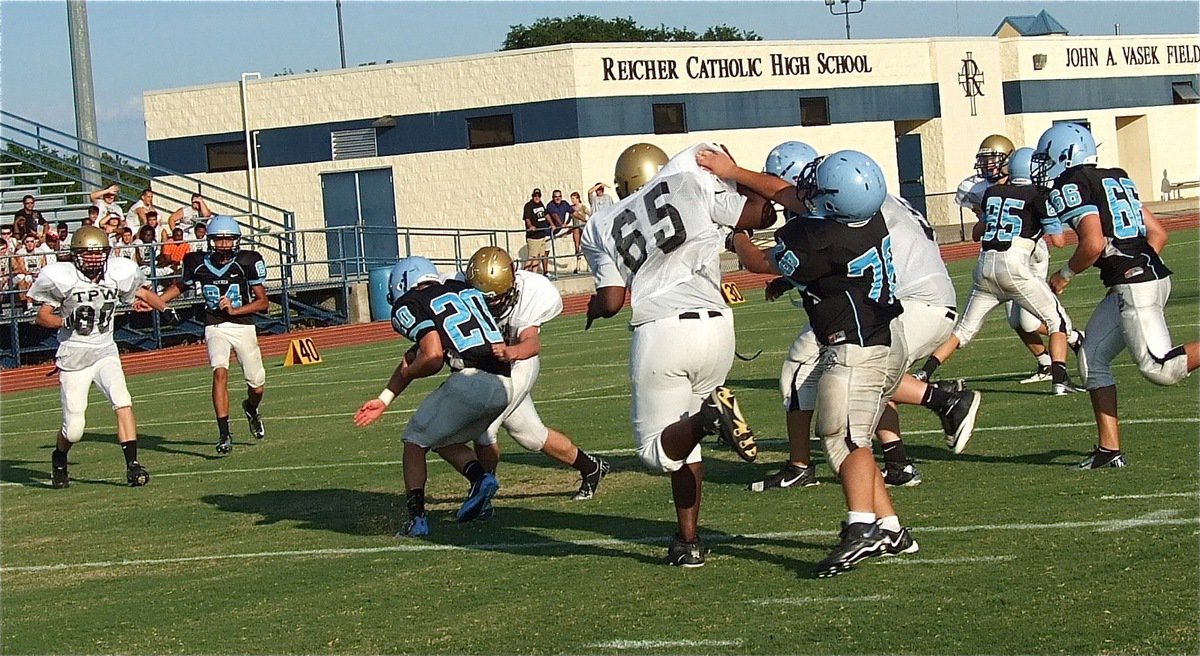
x=490, y=131
x=670, y=118
x=226, y=156
x=348, y=144
x=1184, y=93
x=814, y=111
x=1087, y=125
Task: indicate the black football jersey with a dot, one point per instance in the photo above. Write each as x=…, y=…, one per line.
x=1011, y=211
x=460, y=315
x=844, y=275
x=233, y=280
x=1127, y=256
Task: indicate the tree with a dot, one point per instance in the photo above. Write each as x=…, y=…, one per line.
x=593, y=29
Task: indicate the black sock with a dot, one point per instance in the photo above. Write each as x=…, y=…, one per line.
x=59, y=459
x=130, y=450
x=223, y=425
x=416, y=502
x=252, y=402
x=1058, y=372
x=893, y=453
x=474, y=471
x=584, y=462
x=930, y=366
x=935, y=398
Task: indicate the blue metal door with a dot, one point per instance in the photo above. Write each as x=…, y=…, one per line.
x=360, y=211
x=912, y=170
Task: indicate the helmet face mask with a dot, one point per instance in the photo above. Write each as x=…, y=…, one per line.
x=991, y=160
x=492, y=271
x=636, y=166
x=89, y=251
x=224, y=238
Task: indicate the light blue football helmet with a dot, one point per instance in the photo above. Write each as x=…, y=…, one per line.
x=788, y=159
x=1063, y=146
x=845, y=186
x=1020, y=166
x=408, y=273
x=221, y=226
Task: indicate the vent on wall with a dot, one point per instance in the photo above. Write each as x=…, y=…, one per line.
x=349, y=144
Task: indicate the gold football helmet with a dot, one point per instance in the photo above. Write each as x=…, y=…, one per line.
x=89, y=251
x=991, y=160
x=492, y=272
x=636, y=166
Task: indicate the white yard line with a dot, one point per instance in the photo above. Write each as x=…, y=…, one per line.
x=961, y=560
x=801, y=601
x=1152, y=519
x=1162, y=495
x=662, y=644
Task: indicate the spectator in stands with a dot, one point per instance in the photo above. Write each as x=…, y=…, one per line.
x=6, y=235
x=174, y=249
x=580, y=212
x=125, y=247
x=150, y=257
x=135, y=218
x=200, y=243
x=106, y=200
x=57, y=252
x=92, y=217
x=112, y=227
x=559, y=212
x=598, y=199
x=63, y=232
x=31, y=257
x=537, y=232
x=6, y=270
x=33, y=218
x=160, y=233
x=21, y=229
x=188, y=217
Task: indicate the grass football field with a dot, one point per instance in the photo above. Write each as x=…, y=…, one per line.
x=285, y=546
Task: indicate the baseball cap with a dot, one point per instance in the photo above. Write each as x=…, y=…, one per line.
x=536, y=192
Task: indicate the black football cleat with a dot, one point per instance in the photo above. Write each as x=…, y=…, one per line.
x=587, y=486
x=897, y=475
x=898, y=542
x=136, y=475
x=789, y=476
x=254, y=418
x=59, y=478
x=950, y=385
x=1039, y=375
x=1101, y=458
x=958, y=419
x=858, y=542
x=685, y=554
x=721, y=415
x=225, y=444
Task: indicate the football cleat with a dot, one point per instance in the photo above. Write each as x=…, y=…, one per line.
x=486, y=512
x=685, y=554
x=857, y=542
x=254, y=418
x=480, y=494
x=1065, y=389
x=898, y=542
x=415, y=527
x=721, y=415
x=788, y=476
x=587, y=486
x=1101, y=458
x=958, y=419
x=225, y=444
x=1041, y=375
x=59, y=478
x=950, y=385
x=901, y=475
x=136, y=475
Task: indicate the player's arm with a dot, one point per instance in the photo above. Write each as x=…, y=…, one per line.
x=427, y=358
x=767, y=186
x=1091, y=244
x=605, y=303
x=977, y=230
x=47, y=317
x=259, y=304
x=751, y=257
x=150, y=298
x=529, y=344
x=1156, y=234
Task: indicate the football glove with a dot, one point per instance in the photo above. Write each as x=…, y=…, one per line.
x=776, y=288
x=171, y=317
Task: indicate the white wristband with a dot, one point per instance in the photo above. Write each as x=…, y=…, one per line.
x=386, y=397
x=1066, y=272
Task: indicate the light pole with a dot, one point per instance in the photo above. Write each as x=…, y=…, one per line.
x=846, y=11
x=341, y=36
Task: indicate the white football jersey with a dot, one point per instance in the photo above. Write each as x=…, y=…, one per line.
x=920, y=273
x=92, y=307
x=538, y=301
x=970, y=193
x=663, y=243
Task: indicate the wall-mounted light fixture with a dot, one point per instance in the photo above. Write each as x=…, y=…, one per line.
x=1039, y=62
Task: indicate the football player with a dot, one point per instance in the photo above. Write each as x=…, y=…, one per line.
x=80, y=299
x=922, y=286
x=1119, y=236
x=450, y=323
x=662, y=242
x=232, y=282
x=520, y=302
x=1016, y=216
x=991, y=164
x=839, y=254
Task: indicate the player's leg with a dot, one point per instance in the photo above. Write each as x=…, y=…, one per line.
x=1104, y=342
x=1033, y=295
x=255, y=375
x=798, y=386
x=898, y=470
x=1030, y=330
x=73, y=394
x=1146, y=334
x=110, y=378
x=981, y=301
x=218, y=346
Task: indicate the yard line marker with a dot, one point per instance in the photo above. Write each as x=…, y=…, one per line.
x=1151, y=519
x=799, y=601
x=963, y=560
x=1161, y=495
x=661, y=644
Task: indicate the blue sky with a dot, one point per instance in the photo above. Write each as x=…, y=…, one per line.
x=142, y=46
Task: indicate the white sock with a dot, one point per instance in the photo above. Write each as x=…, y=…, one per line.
x=890, y=523
x=860, y=517
x=1043, y=359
